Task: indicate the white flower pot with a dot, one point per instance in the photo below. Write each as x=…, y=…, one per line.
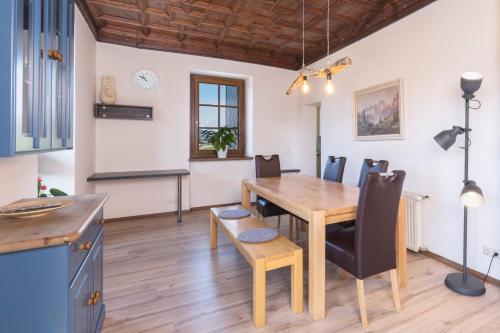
x=222, y=153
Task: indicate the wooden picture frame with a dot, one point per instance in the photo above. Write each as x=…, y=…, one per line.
x=378, y=112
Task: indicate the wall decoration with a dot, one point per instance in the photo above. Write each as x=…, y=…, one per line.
x=378, y=112
x=108, y=90
x=146, y=79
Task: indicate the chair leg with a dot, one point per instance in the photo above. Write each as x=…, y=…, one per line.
x=279, y=221
x=361, y=300
x=259, y=293
x=290, y=227
x=395, y=289
x=297, y=228
x=258, y=214
x=303, y=225
x=297, y=286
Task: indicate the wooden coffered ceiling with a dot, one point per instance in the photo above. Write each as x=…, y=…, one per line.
x=265, y=32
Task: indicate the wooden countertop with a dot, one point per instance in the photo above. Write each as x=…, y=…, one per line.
x=56, y=228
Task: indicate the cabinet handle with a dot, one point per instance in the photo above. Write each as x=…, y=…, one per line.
x=100, y=221
x=55, y=55
x=85, y=246
x=97, y=296
x=91, y=299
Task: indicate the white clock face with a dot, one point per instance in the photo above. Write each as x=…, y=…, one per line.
x=146, y=79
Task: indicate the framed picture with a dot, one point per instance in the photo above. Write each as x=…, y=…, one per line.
x=378, y=112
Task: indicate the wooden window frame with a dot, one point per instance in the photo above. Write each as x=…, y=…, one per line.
x=195, y=152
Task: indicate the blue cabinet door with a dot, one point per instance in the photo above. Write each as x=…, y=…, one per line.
x=62, y=77
x=32, y=113
x=36, y=102
x=97, y=275
x=80, y=300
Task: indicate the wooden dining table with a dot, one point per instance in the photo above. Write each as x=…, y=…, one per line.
x=320, y=202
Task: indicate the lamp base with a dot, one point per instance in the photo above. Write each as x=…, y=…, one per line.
x=471, y=287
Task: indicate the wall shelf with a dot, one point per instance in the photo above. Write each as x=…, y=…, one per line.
x=115, y=111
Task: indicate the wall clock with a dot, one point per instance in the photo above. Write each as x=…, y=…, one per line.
x=145, y=79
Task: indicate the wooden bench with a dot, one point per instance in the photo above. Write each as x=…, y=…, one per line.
x=263, y=257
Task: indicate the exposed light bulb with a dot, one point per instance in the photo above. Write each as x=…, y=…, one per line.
x=305, y=86
x=329, y=85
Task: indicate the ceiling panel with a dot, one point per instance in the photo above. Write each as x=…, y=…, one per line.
x=267, y=32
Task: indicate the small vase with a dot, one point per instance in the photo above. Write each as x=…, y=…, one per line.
x=108, y=90
x=222, y=153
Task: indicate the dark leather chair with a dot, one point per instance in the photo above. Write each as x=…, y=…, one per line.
x=268, y=167
x=370, y=165
x=334, y=168
x=369, y=248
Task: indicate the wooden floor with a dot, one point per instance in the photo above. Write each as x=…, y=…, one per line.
x=161, y=276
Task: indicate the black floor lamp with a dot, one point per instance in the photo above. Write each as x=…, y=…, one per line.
x=471, y=195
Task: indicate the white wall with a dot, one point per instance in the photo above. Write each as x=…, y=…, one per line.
x=163, y=143
x=428, y=50
x=18, y=178
x=85, y=124
x=68, y=170
x=57, y=169
x=306, y=144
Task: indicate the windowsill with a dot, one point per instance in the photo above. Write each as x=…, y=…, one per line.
x=216, y=159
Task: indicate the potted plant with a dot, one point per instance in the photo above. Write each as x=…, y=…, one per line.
x=41, y=188
x=221, y=140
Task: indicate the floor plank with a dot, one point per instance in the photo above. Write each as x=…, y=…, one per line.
x=161, y=276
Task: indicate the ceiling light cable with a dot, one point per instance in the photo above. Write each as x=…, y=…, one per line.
x=328, y=31
x=303, y=35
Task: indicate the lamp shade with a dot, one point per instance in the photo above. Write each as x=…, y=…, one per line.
x=470, y=82
x=447, y=138
x=472, y=195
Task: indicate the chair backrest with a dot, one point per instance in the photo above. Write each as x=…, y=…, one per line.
x=267, y=166
x=376, y=217
x=334, y=168
x=370, y=165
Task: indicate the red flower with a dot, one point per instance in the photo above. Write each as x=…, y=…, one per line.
x=39, y=180
x=43, y=187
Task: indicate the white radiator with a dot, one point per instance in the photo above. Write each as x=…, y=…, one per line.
x=414, y=220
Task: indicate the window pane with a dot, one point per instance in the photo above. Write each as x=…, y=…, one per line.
x=208, y=93
x=229, y=95
x=229, y=117
x=203, y=144
x=208, y=116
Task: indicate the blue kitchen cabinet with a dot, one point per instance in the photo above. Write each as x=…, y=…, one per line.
x=55, y=289
x=36, y=66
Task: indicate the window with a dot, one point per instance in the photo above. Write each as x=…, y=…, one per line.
x=216, y=102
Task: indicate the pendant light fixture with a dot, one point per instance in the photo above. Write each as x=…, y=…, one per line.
x=327, y=72
x=329, y=84
x=305, y=84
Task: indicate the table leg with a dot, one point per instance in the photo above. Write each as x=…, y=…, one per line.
x=179, y=199
x=401, y=255
x=297, y=283
x=317, y=265
x=259, y=292
x=245, y=196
